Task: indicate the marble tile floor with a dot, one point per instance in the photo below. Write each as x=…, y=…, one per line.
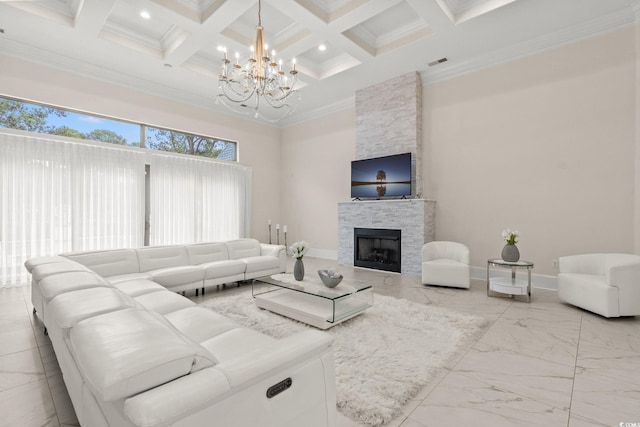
x=539, y=364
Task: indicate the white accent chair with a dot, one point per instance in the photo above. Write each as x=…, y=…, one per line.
x=606, y=284
x=445, y=264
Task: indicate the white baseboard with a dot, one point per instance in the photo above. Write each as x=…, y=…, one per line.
x=323, y=253
x=540, y=281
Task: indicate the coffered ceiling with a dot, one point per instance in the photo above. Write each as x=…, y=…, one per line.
x=175, y=51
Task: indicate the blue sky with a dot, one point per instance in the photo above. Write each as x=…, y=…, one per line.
x=85, y=124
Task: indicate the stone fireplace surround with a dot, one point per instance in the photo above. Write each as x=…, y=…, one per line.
x=415, y=218
x=389, y=121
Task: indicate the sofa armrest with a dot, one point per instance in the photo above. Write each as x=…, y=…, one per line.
x=278, y=251
x=626, y=277
x=254, y=365
x=183, y=396
x=272, y=250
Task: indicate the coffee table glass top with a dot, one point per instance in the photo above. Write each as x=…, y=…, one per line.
x=310, y=301
x=309, y=286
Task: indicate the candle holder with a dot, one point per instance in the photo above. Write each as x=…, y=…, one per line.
x=277, y=236
x=269, y=233
x=285, y=239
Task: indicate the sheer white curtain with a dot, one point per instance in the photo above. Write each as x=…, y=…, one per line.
x=196, y=200
x=58, y=196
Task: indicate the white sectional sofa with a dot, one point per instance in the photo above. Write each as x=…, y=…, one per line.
x=133, y=352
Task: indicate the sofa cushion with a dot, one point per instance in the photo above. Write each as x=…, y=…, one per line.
x=51, y=286
x=164, y=302
x=43, y=270
x=125, y=277
x=207, y=252
x=200, y=324
x=261, y=263
x=243, y=248
x=221, y=269
x=137, y=287
x=72, y=307
x=178, y=276
x=156, y=258
x=125, y=352
x=108, y=262
x=234, y=343
x=32, y=263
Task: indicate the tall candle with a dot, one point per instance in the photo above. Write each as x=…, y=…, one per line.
x=284, y=228
x=277, y=226
x=269, y=222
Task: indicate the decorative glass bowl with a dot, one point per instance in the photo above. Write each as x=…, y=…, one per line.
x=329, y=281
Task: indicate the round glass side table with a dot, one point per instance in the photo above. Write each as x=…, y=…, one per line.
x=513, y=286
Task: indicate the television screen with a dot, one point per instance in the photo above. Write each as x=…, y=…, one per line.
x=379, y=177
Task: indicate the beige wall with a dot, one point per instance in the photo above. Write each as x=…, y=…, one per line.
x=258, y=145
x=636, y=220
x=545, y=145
x=316, y=175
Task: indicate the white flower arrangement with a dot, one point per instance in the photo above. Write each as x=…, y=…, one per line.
x=299, y=249
x=511, y=237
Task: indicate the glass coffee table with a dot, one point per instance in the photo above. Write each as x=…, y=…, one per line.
x=309, y=301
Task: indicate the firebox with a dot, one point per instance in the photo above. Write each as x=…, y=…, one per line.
x=377, y=248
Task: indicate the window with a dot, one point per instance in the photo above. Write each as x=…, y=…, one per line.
x=59, y=195
x=186, y=143
x=15, y=114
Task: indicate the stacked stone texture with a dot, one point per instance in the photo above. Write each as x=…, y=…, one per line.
x=414, y=218
x=389, y=121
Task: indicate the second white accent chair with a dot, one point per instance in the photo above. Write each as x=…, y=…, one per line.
x=605, y=283
x=445, y=264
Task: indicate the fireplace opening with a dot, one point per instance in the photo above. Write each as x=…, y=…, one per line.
x=377, y=248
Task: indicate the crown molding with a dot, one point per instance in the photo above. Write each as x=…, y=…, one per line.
x=297, y=118
x=605, y=24
x=47, y=59
x=447, y=71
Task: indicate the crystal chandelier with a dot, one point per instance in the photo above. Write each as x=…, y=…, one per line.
x=242, y=88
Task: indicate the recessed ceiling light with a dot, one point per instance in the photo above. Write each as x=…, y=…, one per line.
x=322, y=47
x=145, y=15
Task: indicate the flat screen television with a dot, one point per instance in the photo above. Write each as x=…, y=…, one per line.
x=379, y=177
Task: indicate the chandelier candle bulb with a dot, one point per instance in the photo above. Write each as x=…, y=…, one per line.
x=261, y=84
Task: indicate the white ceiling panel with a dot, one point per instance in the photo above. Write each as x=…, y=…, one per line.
x=368, y=41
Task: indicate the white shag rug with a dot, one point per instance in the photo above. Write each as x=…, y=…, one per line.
x=383, y=357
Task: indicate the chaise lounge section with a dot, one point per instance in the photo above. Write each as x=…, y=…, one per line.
x=134, y=352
